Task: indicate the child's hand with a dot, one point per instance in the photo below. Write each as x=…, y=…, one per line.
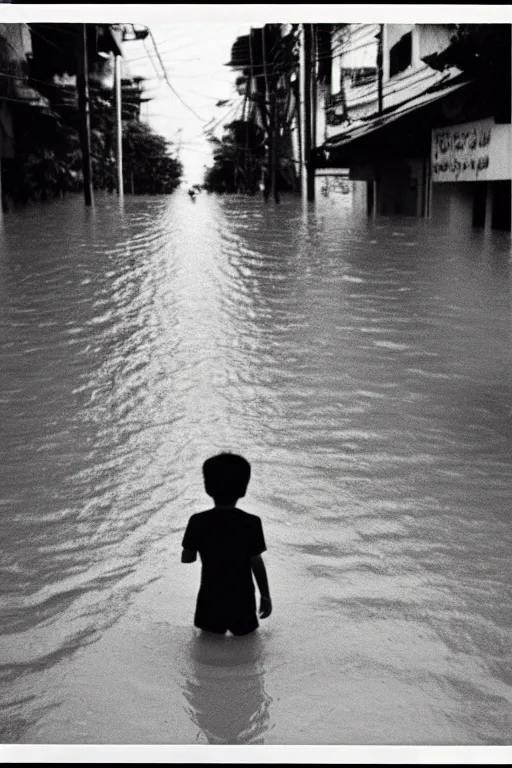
x=265, y=607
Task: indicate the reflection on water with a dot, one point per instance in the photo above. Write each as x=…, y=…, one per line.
x=362, y=366
x=225, y=689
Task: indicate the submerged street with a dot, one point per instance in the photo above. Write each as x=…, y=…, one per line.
x=363, y=367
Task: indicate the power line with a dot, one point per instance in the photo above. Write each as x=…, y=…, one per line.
x=61, y=30
x=50, y=42
x=168, y=117
x=22, y=101
x=274, y=67
x=169, y=82
x=355, y=35
x=406, y=86
x=209, y=131
x=152, y=61
x=193, y=42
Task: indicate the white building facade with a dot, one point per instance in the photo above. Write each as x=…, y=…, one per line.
x=424, y=141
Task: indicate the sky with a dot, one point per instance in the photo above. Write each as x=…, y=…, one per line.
x=194, y=57
x=195, y=54
x=194, y=42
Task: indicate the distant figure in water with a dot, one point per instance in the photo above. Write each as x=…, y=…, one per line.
x=230, y=543
x=192, y=194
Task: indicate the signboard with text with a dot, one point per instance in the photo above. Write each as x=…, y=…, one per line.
x=477, y=151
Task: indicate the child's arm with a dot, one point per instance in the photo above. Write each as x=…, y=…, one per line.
x=189, y=543
x=260, y=574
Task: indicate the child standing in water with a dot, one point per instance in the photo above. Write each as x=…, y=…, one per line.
x=230, y=543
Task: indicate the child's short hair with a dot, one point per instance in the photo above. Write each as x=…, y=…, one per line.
x=226, y=477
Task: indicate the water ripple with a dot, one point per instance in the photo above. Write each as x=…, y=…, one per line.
x=368, y=382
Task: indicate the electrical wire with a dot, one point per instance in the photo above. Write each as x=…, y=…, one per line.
x=404, y=87
x=22, y=101
x=152, y=61
x=52, y=26
x=169, y=82
x=164, y=53
x=209, y=131
x=169, y=117
x=274, y=67
x=355, y=35
x=50, y=42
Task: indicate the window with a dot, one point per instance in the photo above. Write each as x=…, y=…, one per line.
x=360, y=75
x=400, y=55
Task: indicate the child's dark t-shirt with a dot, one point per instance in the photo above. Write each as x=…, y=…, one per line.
x=226, y=539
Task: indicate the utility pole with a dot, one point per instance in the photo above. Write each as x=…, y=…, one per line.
x=380, y=70
x=1, y=194
x=249, y=96
x=314, y=84
x=308, y=155
x=268, y=117
x=84, y=110
x=301, y=122
x=119, y=125
x=273, y=176
x=380, y=96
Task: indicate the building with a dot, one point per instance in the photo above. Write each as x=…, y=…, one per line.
x=18, y=100
x=133, y=96
x=39, y=102
x=426, y=138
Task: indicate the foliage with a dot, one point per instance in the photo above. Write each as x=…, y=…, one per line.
x=48, y=160
x=146, y=161
x=238, y=159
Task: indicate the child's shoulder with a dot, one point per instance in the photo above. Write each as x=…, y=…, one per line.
x=249, y=518
x=212, y=512
x=248, y=514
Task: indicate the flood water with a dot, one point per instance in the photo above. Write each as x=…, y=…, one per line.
x=364, y=370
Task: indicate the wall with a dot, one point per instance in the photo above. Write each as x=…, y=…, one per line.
x=362, y=100
x=473, y=204
x=6, y=131
x=396, y=32
x=15, y=43
x=321, y=123
x=434, y=38
x=452, y=204
x=357, y=45
x=476, y=151
x=400, y=189
x=18, y=40
x=501, y=215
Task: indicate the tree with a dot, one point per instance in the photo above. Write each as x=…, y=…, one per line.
x=48, y=161
x=238, y=159
x=147, y=164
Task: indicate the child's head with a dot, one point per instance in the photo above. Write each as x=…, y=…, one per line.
x=226, y=477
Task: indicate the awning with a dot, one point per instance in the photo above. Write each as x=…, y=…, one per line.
x=367, y=127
